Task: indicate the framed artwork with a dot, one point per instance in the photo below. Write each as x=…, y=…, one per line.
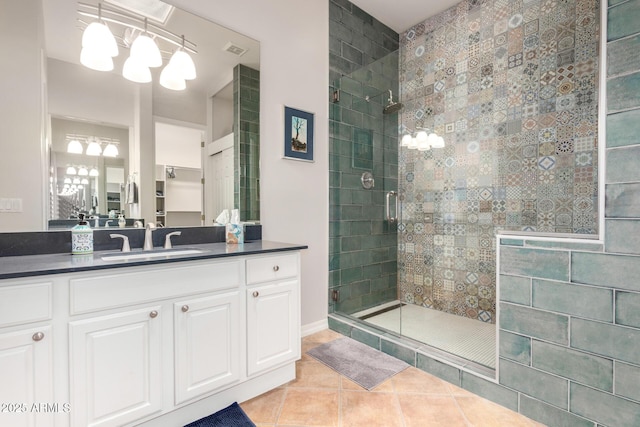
x=298, y=134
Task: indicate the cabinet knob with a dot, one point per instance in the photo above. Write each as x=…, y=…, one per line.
x=185, y=308
x=276, y=267
x=153, y=314
x=38, y=336
x=256, y=294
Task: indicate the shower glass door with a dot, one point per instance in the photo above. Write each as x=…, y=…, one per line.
x=363, y=169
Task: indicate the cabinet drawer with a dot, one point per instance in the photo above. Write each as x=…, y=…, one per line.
x=117, y=288
x=273, y=267
x=29, y=302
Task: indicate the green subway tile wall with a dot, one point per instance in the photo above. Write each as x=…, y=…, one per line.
x=246, y=135
x=363, y=246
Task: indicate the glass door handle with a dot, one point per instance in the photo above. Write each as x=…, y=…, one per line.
x=390, y=218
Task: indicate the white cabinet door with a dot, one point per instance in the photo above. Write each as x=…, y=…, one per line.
x=207, y=344
x=26, y=377
x=116, y=363
x=273, y=329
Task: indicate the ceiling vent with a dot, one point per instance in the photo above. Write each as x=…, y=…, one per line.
x=235, y=49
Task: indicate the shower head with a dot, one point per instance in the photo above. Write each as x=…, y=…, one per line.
x=392, y=107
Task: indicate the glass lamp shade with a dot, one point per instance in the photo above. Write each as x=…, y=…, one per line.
x=96, y=60
x=98, y=38
x=94, y=172
x=76, y=181
x=423, y=144
x=71, y=171
x=170, y=78
x=146, y=51
x=84, y=181
x=94, y=149
x=183, y=64
x=406, y=140
x=74, y=146
x=438, y=142
x=83, y=171
x=67, y=180
x=110, y=151
x=414, y=144
x=434, y=140
x=136, y=71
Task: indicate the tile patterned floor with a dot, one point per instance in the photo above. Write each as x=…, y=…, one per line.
x=321, y=397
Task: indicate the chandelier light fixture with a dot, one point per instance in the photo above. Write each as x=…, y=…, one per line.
x=94, y=145
x=99, y=47
x=422, y=139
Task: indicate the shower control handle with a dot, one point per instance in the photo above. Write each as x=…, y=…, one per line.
x=392, y=219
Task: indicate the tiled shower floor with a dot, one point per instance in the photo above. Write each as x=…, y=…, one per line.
x=467, y=338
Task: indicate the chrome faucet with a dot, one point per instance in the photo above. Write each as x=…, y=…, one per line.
x=148, y=237
x=167, y=239
x=125, y=241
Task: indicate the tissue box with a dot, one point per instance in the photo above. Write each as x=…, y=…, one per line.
x=235, y=234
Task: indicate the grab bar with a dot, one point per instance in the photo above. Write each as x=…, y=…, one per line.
x=390, y=218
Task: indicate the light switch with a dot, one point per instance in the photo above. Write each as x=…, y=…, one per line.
x=5, y=205
x=16, y=205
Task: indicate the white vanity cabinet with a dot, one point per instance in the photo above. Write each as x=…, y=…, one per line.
x=207, y=344
x=273, y=313
x=160, y=344
x=116, y=367
x=26, y=369
x=170, y=328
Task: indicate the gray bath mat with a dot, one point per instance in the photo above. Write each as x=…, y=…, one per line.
x=358, y=362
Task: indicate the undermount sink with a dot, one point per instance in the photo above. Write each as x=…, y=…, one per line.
x=159, y=253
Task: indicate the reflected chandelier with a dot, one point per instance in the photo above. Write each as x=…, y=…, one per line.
x=94, y=145
x=99, y=47
x=422, y=139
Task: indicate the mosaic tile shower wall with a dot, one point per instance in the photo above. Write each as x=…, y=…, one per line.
x=512, y=87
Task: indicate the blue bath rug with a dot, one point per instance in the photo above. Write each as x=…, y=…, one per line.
x=231, y=416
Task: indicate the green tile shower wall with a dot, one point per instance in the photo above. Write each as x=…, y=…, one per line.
x=246, y=152
x=363, y=247
x=584, y=370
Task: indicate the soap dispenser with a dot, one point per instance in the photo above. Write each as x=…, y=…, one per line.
x=81, y=238
x=121, y=221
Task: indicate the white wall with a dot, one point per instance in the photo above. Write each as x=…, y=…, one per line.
x=294, y=64
x=77, y=91
x=21, y=114
x=178, y=145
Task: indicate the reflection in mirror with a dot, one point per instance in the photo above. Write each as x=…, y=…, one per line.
x=156, y=129
x=93, y=185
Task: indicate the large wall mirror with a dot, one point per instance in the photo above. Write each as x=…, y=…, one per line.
x=190, y=153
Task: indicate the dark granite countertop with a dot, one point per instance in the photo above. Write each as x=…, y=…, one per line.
x=39, y=265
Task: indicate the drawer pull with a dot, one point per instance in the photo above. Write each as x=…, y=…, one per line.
x=256, y=294
x=38, y=336
x=185, y=308
x=276, y=268
x=153, y=314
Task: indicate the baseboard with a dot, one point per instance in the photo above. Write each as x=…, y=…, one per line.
x=312, y=328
